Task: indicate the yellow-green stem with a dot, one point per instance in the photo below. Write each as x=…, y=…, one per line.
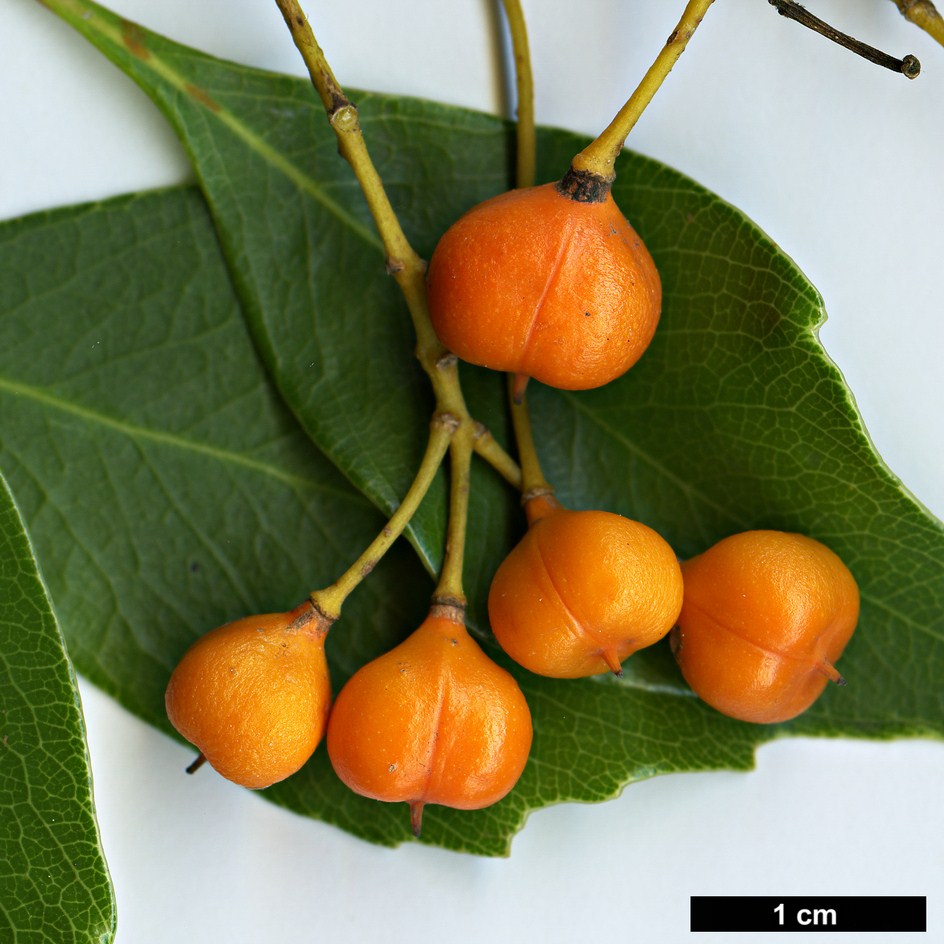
x=533, y=482
x=403, y=263
x=449, y=591
x=925, y=15
x=484, y=445
x=524, y=85
x=531, y=475
x=599, y=158
x=329, y=600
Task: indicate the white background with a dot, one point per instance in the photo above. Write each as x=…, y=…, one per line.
x=840, y=162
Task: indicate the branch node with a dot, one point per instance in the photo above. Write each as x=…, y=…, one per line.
x=446, y=420
x=343, y=115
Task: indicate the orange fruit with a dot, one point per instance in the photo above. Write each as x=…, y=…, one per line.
x=765, y=617
x=432, y=721
x=542, y=285
x=583, y=590
x=253, y=695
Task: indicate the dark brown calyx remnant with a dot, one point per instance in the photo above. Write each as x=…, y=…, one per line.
x=309, y=618
x=448, y=607
x=583, y=186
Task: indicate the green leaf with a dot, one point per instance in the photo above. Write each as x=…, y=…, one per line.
x=54, y=883
x=734, y=418
x=263, y=151
x=167, y=488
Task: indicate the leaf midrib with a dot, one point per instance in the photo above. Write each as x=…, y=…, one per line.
x=142, y=434
x=93, y=22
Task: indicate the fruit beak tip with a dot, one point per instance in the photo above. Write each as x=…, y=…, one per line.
x=613, y=663
x=196, y=764
x=416, y=818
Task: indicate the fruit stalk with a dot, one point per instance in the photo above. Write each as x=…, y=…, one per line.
x=330, y=600
x=525, y=140
x=403, y=263
x=524, y=87
x=533, y=483
x=924, y=15
x=449, y=596
x=599, y=158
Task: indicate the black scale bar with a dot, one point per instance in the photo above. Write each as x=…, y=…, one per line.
x=819, y=913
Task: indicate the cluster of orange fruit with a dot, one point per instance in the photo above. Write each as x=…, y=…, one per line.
x=549, y=282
